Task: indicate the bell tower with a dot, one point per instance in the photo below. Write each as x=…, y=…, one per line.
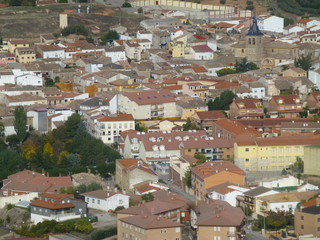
x=254, y=43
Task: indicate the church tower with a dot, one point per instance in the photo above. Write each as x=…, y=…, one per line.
x=254, y=43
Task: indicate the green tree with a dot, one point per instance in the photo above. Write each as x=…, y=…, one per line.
x=147, y=197
x=20, y=123
x=222, y=102
x=304, y=62
x=201, y=158
x=298, y=165
x=72, y=125
x=189, y=125
x=243, y=66
x=126, y=5
x=225, y=71
x=75, y=29
x=83, y=225
x=140, y=10
x=94, y=186
x=1, y=130
x=141, y=127
x=187, y=179
x=109, y=36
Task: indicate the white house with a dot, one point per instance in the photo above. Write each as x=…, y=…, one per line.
x=106, y=200
x=289, y=181
x=116, y=53
x=50, y=51
x=226, y=193
x=142, y=34
x=307, y=22
x=258, y=90
x=292, y=29
x=30, y=78
x=6, y=77
x=201, y=52
x=270, y=23
x=176, y=32
x=314, y=76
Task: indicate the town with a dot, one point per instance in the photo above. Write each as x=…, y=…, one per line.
x=159, y=119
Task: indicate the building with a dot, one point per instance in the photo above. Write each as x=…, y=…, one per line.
x=307, y=218
x=133, y=50
x=58, y=207
x=25, y=55
x=270, y=23
x=287, y=106
x=105, y=200
x=201, y=52
x=246, y=108
x=108, y=128
x=147, y=227
x=313, y=101
x=254, y=43
x=284, y=201
x=13, y=44
x=213, y=173
x=270, y=154
x=146, y=104
x=131, y=171
x=116, y=53
x=311, y=160
x=204, y=119
x=50, y=51
x=217, y=220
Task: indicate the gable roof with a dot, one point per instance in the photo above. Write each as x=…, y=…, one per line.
x=257, y=191
x=150, y=97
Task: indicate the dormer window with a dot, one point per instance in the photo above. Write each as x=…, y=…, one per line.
x=280, y=101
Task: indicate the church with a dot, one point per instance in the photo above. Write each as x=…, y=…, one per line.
x=263, y=50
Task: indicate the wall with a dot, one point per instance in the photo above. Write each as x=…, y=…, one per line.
x=311, y=160
x=16, y=199
x=216, y=233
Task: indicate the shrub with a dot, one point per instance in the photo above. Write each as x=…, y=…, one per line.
x=126, y=5
x=140, y=10
x=222, y=1
x=101, y=234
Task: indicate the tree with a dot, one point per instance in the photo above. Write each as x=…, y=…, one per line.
x=141, y=127
x=201, y=158
x=189, y=125
x=1, y=130
x=187, y=179
x=20, y=123
x=147, y=197
x=72, y=125
x=109, y=36
x=225, y=71
x=126, y=5
x=75, y=29
x=223, y=102
x=243, y=66
x=304, y=62
x=83, y=225
x=140, y=10
x=298, y=165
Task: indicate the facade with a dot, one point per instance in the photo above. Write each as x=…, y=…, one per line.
x=147, y=227
x=131, y=171
x=313, y=101
x=246, y=108
x=133, y=50
x=306, y=221
x=205, y=119
x=270, y=154
x=270, y=23
x=13, y=44
x=287, y=106
x=201, y=52
x=25, y=55
x=116, y=53
x=50, y=51
x=213, y=173
x=58, y=207
x=311, y=160
x=105, y=200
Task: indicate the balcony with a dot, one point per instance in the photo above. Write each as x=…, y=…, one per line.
x=231, y=234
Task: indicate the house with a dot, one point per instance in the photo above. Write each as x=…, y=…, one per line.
x=187, y=106
x=50, y=51
x=13, y=44
x=27, y=181
x=307, y=22
x=311, y=162
x=105, y=200
x=270, y=23
x=204, y=119
x=6, y=58
x=226, y=192
x=287, y=106
x=25, y=55
x=6, y=77
x=213, y=173
x=313, y=101
x=292, y=29
x=217, y=219
x=25, y=77
x=148, y=187
x=160, y=39
x=299, y=128
x=226, y=128
x=23, y=100
x=284, y=201
x=306, y=219
x=201, y=52
x=246, y=108
x=58, y=207
x=160, y=22
x=167, y=125
x=133, y=50
x=108, y=128
x=116, y=53
x=212, y=149
x=148, y=226
x=258, y=90
x=145, y=105
x=250, y=197
x=131, y=171
x=195, y=90
x=270, y=154
x=294, y=72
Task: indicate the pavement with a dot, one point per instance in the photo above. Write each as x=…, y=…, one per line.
x=252, y=235
x=104, y=219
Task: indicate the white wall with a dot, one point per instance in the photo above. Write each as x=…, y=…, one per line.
x=54, y=54
x=15, y=199
x=24, y=78
x=6, y=79
x=107, y=204
x=116, y=56
x=314, y=77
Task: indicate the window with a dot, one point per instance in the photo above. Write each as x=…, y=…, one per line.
x=247, y=149
x=318, y=219
x=98, y=201
x=120, y=201
x=189, y=150
x=177, y=230
x=318, y=229
x=302, y=227
x=302, y=217
x=92, y=200
x=247, y=159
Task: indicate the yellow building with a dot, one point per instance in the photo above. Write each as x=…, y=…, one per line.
x=270, y=154
x=25, y=55
x=13, y=44
x=311, y=160
x=177, y=49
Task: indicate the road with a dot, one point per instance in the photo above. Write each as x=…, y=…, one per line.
x=252, y=235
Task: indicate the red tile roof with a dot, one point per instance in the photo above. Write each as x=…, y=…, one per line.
x=210, y=115
x=117, y=118
x=202, y=48
x=51, y=205
x=150, y=97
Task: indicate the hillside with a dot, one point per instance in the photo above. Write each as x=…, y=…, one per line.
x=30, y=22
